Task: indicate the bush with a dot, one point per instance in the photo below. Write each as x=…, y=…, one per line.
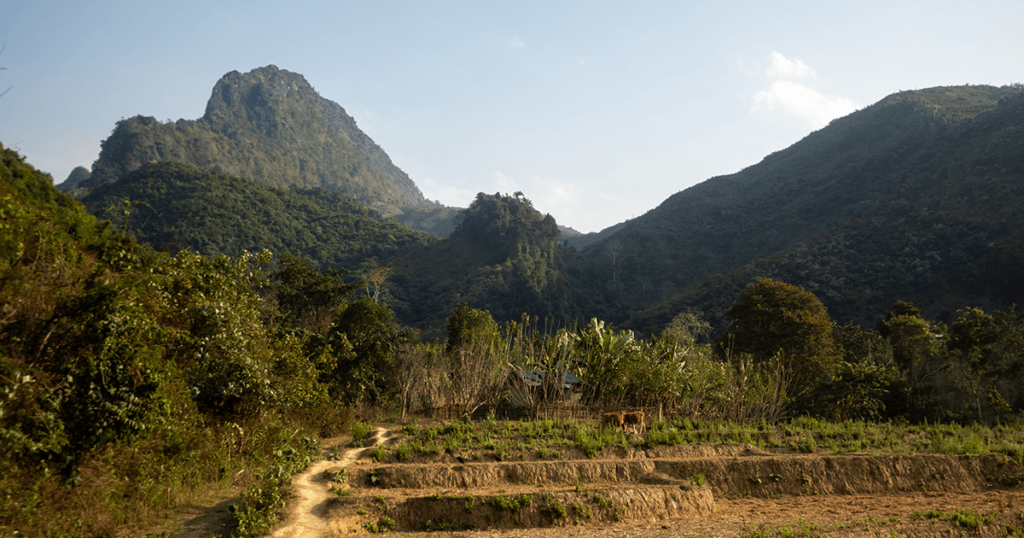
x=362, y=434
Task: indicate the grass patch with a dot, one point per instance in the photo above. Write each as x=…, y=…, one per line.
x=965, y=519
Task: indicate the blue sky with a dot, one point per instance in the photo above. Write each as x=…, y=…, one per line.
x=597, y=111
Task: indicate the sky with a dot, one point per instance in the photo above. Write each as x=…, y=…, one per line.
x=596, y=110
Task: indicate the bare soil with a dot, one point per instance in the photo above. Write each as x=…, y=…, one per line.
x=655, y=493
x=660, y=493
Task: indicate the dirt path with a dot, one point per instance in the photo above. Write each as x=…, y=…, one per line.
x=306, y=519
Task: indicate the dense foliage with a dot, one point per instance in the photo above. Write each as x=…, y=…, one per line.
x=503, y=257
x=133, y=379
x=175, y=205
x=912, y=198
x=775, y=321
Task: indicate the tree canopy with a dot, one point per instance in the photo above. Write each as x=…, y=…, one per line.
x=774, y=319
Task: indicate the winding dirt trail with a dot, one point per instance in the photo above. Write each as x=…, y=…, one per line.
x=306, y=519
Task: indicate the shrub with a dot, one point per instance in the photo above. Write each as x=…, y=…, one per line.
x=361, y=434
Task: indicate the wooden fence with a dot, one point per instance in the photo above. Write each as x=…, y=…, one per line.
x=539, y=412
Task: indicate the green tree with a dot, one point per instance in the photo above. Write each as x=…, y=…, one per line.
x=778, y=321
x=985, y=358
x=368, y=330
x=864, y=379
x=917, y=351
x=469, y=326
x=309, y=299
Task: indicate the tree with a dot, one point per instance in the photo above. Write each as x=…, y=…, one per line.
x=368, y=328
x=862, y=384
x=775, y=320
x=985, y=360
x=468, y=326
x=915, y=349
x=374, y=281
x=310, y=299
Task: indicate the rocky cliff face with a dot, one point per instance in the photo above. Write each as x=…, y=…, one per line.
x=269, y=125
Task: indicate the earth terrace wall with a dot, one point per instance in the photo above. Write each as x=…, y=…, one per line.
x=466, y=512
x=757, y=476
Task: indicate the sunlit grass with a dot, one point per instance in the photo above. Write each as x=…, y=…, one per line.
x=545, y=438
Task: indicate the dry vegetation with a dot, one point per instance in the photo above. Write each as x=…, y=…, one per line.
x=563, y=477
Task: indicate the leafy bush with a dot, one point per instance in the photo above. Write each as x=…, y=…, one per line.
x=361, y=434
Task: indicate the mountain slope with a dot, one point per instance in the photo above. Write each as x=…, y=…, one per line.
x=503, y=256
x=272, y=126
x=177, y=205
x=913, y=198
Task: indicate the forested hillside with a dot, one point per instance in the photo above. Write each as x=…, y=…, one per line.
x=912, y=198
x=133, y=381
x=503, y=257
x=175, y=205
x=270, y=125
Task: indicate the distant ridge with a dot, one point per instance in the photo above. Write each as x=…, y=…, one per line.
x=914, y=198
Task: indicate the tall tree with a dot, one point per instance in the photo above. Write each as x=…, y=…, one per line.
x=778, y=320
x=310, y=299
x=915, y=349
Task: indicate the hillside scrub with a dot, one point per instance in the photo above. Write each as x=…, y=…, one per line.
x=131, y=379
x=790, y=361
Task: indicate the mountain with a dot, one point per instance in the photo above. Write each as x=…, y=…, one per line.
x=78, y=175
x=915, y=198
x=503, y=255
x=269, y=125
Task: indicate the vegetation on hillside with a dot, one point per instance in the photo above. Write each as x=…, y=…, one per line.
x=894, y=202
x=503, y=256
x=134, y=378
x=269, y=125
x=176, y=205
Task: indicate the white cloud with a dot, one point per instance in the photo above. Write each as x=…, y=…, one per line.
x=783, y=67
x=788, y=96
x=448, y=195
x=517, y=43
x=554, y=196
x=806, y=103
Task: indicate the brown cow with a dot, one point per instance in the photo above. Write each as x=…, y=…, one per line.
x=613, y=419
x=634, y=419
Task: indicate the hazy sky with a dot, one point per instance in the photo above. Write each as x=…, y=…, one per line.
x=597, y=111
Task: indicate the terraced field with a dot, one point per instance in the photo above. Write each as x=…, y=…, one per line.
x=467, y=480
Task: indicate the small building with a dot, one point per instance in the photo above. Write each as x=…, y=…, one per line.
x=528, y=387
